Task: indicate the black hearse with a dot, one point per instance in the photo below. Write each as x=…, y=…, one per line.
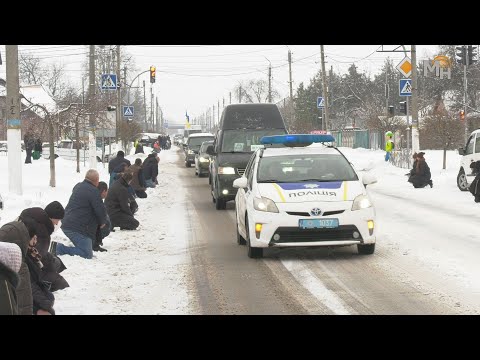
x=238, y=136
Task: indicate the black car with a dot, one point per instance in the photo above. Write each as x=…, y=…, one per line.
x=202, y=160
x=193, y=146
x=238, y=136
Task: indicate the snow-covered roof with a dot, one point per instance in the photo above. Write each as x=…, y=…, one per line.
x=37, y=94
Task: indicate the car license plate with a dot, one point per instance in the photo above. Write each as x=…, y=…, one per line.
x=317, y=223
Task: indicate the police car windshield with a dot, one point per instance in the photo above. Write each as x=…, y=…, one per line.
x=302, y=168
x=246, y=140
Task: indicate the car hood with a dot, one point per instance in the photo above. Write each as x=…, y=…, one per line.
x=312, y=191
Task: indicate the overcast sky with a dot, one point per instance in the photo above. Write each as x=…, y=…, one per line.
x=196, y=77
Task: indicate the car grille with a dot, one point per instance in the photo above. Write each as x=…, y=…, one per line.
x=295, y=234
x=240, y=171
x=326, y=213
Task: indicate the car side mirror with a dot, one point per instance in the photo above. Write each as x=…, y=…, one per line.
x=369, y=179
x=210, y=150
x=461, y=151
x=240, y=183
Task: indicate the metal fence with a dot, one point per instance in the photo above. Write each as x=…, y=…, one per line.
x=375, y=140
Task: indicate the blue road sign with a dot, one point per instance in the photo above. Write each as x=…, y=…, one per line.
x=128, y=111
x=109, y=82
x=405, y=87
x=320, y=103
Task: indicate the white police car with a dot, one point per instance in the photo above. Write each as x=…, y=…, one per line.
x=302, y=195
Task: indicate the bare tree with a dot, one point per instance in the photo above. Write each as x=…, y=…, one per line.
x=31, y=70
x=441, y=130
x=127, y=130
x=255, y=91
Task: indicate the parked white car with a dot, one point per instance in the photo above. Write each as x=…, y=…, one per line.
x=67, y=149
x=301, y=195
x=470, y=153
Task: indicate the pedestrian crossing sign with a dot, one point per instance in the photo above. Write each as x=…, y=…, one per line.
x=405, y=87
x=109, y=82
x=128, y=111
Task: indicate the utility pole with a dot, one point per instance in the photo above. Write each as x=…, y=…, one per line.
x=157, y=129
x=230, y=97
x=14, y=130
x=467, y=60
x=270, y=83
x=325, y=90
x=119, y=96
x=145, y=105
x=151, y=105
x=386, y=90
x=292, y=112
x=213, y=115
x=92, y=144
x=290, y=73
x=415, y=138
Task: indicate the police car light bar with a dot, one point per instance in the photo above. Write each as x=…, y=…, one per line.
x=296, y=139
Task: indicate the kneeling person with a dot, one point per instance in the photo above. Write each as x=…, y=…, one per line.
x=117, y=204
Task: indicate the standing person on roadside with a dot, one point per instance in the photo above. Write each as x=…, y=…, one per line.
x=389, y=145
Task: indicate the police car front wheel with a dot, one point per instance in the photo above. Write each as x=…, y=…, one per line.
x=366, y=249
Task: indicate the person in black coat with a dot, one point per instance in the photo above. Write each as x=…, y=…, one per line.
x=29, y=145
x=102, y=233
x=112, y=164
x=10, y=263
x=18, y=232
x=43, y=299
x=118, y=204
x=150, y=169
x=83, y=214
x=421, y=176
x=46, y=222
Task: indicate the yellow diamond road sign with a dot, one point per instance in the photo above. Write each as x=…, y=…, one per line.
x=405, y=67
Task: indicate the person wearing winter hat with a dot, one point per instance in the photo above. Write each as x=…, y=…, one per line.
x=10, y=263
x=422, y=175
x=389, y=145
x=46, y=222
x=20, y=233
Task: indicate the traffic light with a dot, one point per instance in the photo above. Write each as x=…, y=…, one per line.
x=403, y=107
x=461, y=55
x=152, y=74
x=462, y=115
x=471, y=54
x=111, y=108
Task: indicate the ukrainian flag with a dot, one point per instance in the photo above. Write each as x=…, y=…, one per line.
x=188, y=120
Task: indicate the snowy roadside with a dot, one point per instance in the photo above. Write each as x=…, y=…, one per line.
x=144, y=271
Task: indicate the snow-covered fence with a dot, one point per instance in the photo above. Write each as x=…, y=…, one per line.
x=402, y=158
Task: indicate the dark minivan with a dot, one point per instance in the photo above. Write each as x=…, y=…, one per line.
x=238, y=136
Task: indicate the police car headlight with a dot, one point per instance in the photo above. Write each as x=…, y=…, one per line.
x=361, y=202
x=226, y=171
x=202, y=159
x=190, y=152
x=265, y=204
